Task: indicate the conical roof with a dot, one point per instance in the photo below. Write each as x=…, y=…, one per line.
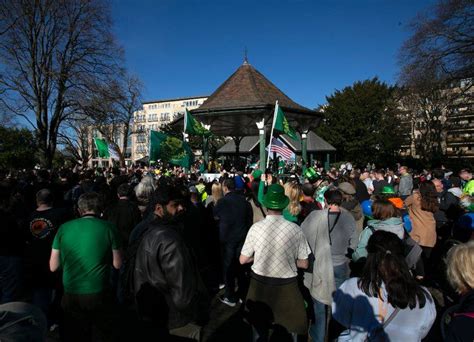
x=247, y=87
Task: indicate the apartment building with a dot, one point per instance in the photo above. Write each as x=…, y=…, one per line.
x=453, y=124
x=154, y=115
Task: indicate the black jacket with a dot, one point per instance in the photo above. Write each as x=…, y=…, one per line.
x=235, y=217
x=167, y=286
x=125, y=215
x=460, y=328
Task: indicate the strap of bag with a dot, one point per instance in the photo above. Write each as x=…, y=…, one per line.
x=391, y=317
x=333, y=225
x=385, y=323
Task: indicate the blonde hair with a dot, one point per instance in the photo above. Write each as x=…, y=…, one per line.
x=216, y=192
x=293, y=192
x=461, y=267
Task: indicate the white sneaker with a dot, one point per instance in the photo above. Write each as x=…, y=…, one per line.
x=221, y=286
x=227, y=301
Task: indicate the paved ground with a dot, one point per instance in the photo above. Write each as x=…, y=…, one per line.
x=227, y=324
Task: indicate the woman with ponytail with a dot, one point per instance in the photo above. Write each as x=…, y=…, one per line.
x=386, y=303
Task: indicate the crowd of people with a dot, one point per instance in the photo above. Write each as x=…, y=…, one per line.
x=347, y=254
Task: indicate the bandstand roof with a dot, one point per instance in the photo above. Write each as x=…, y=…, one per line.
x=246, y=97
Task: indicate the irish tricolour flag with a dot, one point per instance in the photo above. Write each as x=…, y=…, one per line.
x=105, y=150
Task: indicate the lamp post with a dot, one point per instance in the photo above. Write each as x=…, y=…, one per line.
x=261, y=134
x=205, y=146
x=304, y=150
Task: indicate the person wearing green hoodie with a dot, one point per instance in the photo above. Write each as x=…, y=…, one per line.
x=386, y=218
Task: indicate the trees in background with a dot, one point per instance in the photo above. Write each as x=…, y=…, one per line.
x=437, y=72
x=441, y=46
x=17, y=149
x=51, y=53
x=109, y=109
x=361, y=122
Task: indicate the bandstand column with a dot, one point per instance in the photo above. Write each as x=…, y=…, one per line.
x=261, y=134
x=304, y=149
x=205, y=146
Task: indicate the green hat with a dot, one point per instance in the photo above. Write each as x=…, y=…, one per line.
x=257, y=174
x=275, y=198
x=388, y=190
x=311, y=174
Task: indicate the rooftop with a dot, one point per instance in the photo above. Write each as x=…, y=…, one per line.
x=247, y=87
x=176, y=99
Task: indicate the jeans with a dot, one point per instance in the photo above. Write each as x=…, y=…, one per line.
x=11, y=280
x=230, y=252
x=341, y=274
x=317, y=331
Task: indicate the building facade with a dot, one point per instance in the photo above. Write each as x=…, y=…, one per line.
x=153, y=116
x=447, y=122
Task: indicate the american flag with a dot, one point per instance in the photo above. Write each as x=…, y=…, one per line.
x=280, y=148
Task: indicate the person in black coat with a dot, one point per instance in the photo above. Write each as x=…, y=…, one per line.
x=460, y=274
x=235, y=217
x=124, y=214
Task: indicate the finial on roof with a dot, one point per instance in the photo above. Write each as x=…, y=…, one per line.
x=246, y=61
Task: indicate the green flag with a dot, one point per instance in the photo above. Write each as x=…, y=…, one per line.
x=192, y=126
x=170, y=149
x=102, y=148
x=282, y=125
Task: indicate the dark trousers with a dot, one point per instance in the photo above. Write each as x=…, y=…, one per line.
x=89, y=317
x=232, y=270
x=11, y=281
x=423, y=266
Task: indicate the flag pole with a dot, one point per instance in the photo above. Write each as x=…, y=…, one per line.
x=271, y=134
x=149, y=149
x=185, y=118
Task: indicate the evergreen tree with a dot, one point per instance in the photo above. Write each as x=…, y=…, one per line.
x=361, y=122
x=17, y=148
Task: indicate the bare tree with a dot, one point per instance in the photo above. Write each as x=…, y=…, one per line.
x=437, y=73
x=428, y=113
x=442, y=44
x=74, y=136
x=110, y=109
x=51, y=51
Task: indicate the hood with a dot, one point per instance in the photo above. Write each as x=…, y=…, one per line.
x=456, y=192
x=392, y=225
